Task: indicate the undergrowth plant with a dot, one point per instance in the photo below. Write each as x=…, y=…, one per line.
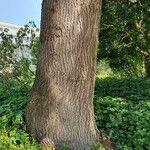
x=122, y=109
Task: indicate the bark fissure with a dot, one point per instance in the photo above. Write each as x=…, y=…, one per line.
x=60, y=110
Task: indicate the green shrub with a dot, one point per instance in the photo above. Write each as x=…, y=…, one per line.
x=122, y=109
x=13, y=134
x=18, y=53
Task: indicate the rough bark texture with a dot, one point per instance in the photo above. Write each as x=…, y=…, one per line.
x=147, y=65
x=60, y=110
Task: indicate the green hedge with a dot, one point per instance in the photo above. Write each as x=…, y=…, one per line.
x=122, y=109
x=13, y=136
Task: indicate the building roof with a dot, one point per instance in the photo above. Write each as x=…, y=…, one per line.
x=13, y=28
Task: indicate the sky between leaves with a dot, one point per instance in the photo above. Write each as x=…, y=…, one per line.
x=20, y=11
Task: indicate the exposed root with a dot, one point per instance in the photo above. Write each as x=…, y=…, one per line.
x=106, y=142
x=47, y=144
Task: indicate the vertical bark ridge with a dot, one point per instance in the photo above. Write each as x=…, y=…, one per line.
x=60, y=110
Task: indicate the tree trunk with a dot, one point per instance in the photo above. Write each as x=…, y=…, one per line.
x=60, y=110
x=147, y=65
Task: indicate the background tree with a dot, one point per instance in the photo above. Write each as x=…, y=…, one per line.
x=61, y=106
x=125, y=36
x=18, y=53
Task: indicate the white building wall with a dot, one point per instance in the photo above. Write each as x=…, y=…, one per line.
x=12, y=27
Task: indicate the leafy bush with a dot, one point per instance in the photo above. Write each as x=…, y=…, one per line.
x=18, y=53
x=121, y=105
x=122, y=109
x=13, y=134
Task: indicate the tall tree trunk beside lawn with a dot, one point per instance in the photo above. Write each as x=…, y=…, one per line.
x=60, y=110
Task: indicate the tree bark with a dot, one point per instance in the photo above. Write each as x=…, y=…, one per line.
x=60, y=110
x=147, y=65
